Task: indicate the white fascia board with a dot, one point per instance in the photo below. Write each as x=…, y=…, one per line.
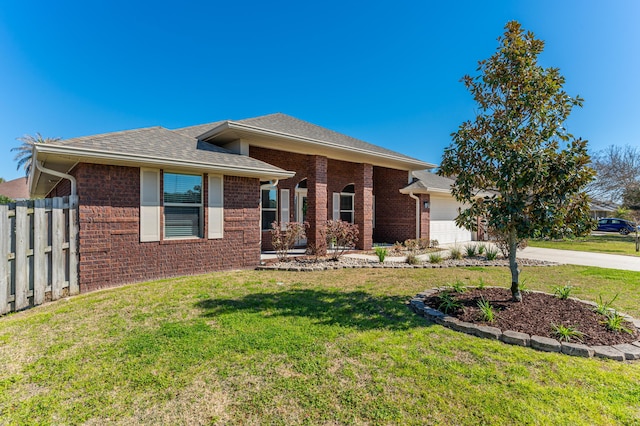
x=425, y=191
x=230, y=125
x=142, y=160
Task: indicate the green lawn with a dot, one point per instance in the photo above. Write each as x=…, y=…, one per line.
x=611, y=243
x=331, y=347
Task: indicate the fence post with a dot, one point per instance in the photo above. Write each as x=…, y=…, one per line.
x=4, y=259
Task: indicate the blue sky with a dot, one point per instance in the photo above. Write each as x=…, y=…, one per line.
x=385, y=72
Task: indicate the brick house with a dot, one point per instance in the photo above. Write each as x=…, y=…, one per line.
x=157, y=203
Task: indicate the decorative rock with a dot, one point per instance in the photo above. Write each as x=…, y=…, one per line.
x=417, y=305
x=466, y=327
x=432, y=313
x=608, y=352
x=577, y=349
x=515, y=338
x=450, y=322
x=636, y=343
x=545, y=344
x=487, y=332
x=630, y=351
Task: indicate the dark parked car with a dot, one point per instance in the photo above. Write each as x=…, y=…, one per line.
x=611, y=224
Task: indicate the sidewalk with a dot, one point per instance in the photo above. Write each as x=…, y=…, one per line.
x=583, y=258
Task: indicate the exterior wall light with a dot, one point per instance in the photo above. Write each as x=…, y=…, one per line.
x=426, y=205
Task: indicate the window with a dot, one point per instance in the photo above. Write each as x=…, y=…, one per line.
x=343, y=205
x=269, y=207
x=182, y=205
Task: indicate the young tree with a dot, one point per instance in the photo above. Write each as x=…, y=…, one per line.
x=517, y=149
x=25, y=150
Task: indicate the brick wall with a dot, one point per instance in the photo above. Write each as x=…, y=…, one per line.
x=395, y=212
x=298, y=163
x=110, y=250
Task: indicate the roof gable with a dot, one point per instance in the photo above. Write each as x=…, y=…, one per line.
x=284, y=132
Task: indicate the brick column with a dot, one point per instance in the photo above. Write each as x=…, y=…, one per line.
x=425, y=219
x=364, y=205
x=316, y=199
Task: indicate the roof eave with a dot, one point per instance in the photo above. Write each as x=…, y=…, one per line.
x=73, y=155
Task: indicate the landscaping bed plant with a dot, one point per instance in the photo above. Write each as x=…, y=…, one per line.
x=539, y=314
x=312, y=263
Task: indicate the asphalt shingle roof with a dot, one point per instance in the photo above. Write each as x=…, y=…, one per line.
x=428, y=180
x=15, y=189
x=158, y=142
x=286, y=124
x=283, y=123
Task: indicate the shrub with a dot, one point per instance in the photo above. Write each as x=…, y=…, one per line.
x=397, y=248
x=284, y=239
x=411, y=245
x=481, y=248
x=435, y=258
x=447, y=303
x=412, y=259
x=318, y=249
x=491, y=253
x=603, y=308
x=481, y=284
x=381, y=252
x=566, y=333
x=340, y=236
x=563, y=292
x=424, y=243
x=487, y=311
x=470, y=249
x=458, y=287
x=434, y=244
x=615, y=322
x=455, y=253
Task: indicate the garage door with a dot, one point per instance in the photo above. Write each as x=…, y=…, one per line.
x=442, y=226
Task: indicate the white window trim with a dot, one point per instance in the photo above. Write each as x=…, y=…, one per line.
x=337, y=211
x=200, y=205
x=269, y=209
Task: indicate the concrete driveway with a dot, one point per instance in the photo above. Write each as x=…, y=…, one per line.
x=611, y=261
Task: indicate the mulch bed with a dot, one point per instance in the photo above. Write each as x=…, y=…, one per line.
x=536, y=314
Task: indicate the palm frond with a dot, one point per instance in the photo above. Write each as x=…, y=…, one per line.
x=24, y=152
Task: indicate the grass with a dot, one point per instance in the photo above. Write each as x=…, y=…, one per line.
x=610, y=243
x=330, y=347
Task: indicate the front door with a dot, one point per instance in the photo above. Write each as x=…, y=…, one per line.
x=301, y=210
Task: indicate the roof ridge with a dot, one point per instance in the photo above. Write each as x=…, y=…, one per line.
x=107, y=134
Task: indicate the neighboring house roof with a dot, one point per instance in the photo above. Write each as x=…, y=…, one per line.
x=287, y=133
x=16, y=189
x=600, y=206
x=427, y=183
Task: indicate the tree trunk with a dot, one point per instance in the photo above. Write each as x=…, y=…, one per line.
x=513, y=266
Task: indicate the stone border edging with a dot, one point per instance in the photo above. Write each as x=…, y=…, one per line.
x=620, y=352
x=377, y=265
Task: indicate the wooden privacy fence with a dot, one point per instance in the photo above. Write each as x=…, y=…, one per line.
x=38, y=252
